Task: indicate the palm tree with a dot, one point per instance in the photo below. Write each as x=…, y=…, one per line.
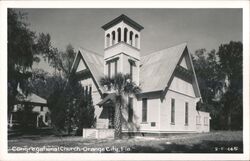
x=122, y=86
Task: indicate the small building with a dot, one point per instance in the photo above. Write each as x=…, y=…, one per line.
x=170, y=91
x=32, y=111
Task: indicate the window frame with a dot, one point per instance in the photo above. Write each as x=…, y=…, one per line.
x=198, y=120
x=132, y=64
x=144, y=110
x=186, y=113
x=172, y=111
x=112, y=67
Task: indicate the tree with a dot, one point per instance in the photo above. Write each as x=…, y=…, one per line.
x=21, y=47
x=66, y=91
x=41, y=82
x=49, y=53
x=24, y=47
x=67, y=59
x=57, y=103
x=208, y=74
x=219, y=76
x=61, y=61
x=211, y=83
x=84, y=112
x=122, y=86
x=231, y=64
x=71, y=106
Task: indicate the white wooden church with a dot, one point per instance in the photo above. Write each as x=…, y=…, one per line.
x=167, y=102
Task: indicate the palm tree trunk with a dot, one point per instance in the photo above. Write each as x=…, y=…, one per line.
x=117, y=121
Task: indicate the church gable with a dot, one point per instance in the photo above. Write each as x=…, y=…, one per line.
x=184, y=62
x=158, y=67
x=184, y=79
x=183, y=86
x=88, y=65
x=80, y=69
x=75, y=66
x=81, y=66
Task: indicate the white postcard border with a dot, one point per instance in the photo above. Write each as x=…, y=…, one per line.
x=121, y=4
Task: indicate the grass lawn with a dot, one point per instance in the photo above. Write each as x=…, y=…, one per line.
x=213, y=142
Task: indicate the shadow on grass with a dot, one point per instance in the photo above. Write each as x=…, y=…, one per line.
x=203, y=147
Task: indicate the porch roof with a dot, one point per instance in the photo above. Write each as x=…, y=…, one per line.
x=32, y=99
x=109, y=97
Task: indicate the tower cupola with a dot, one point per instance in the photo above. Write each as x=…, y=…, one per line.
x=122, y=47
x=122, y=29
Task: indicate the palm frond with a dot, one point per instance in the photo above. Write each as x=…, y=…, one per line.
x=118, y=82
x=121, y=83
x=131, y=88
x=127, y=76
x=106, y=82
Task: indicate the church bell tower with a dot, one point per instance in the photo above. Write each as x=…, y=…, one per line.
x=122, y=47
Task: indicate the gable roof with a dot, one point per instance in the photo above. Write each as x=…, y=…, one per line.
x=109, y=97
x=35, y=99
x=158, y=67
x=94, y=63
x=31, y=97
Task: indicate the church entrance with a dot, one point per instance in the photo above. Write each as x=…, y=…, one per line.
x=108, y=111
x=111, y=116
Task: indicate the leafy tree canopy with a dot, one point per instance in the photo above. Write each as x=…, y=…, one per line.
x=220, y=80
x=23, y=50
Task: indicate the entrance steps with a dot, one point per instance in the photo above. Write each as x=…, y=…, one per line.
x=98, y=133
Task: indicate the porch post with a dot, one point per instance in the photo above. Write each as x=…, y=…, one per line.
x=37, y=118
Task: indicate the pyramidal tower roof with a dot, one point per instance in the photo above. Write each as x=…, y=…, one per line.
x=126, y=20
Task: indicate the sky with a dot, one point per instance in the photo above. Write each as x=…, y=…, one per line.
x=200, y=28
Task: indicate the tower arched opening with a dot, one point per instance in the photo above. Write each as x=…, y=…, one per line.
x=131, y=37
x=113, y=37
x=107, y=40
x=125, y=34
x=119, y=34
x=136, y=41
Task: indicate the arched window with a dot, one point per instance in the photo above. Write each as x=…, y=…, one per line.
x=107, y=40
x=136, y=40
x=125, y=34
x=119, y=34
x=131, y=38
x=113, y=37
